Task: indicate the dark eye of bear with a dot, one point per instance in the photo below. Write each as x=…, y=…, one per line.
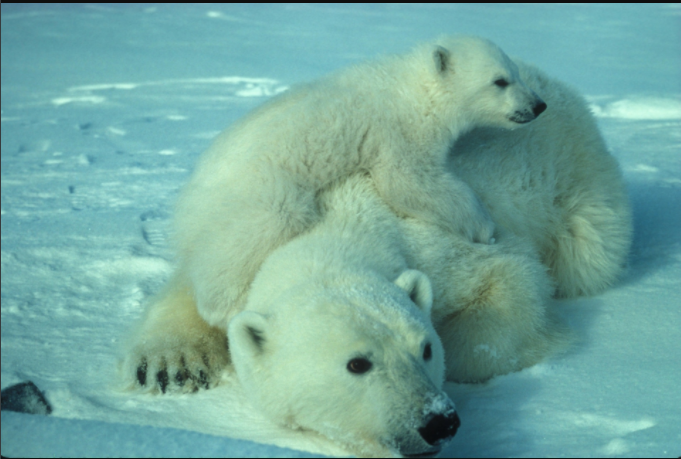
x=427, y=352
x=501, y=83
x=359, y=366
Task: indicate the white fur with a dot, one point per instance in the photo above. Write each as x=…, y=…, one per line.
x=256, y=187
x=555, y=183
x=349, y=284
x=339, y=292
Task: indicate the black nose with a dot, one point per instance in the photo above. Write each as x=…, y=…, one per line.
x=440, y=428
x=539, y=108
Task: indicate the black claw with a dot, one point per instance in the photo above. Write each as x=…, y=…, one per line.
x=182, y=374
x=181, y=377
x=162, y=378
x=142, y=373
x=203, y=379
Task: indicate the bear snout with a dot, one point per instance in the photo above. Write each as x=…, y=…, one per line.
x=539, y=108
x=440, y=428
x=529, y=114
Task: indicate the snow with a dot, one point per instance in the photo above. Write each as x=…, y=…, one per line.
x=104, y=110
x=26, y=435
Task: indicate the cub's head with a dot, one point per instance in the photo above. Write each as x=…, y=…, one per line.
x=362, y=365
x=479, y=85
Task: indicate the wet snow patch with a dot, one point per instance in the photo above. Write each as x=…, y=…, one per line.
x=640, y=108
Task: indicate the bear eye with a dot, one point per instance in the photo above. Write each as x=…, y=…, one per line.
x=501, y=82
x=427, y=352
x=359, y=366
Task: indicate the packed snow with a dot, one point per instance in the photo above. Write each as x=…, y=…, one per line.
x=105, y=109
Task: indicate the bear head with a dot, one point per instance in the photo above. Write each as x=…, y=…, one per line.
x=477, y=84
x=360, y=364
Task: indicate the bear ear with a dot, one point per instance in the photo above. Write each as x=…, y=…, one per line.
x=417, y=286
x=247, y=333
x=442, y=58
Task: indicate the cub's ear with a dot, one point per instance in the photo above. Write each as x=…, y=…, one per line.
x=417, y=286
x=442, y=58
x=247, y=334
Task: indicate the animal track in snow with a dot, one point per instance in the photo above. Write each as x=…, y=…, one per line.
x=154, y=228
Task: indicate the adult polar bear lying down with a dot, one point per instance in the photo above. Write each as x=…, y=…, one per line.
x=335, y=335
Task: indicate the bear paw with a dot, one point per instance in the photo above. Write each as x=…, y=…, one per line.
x=460, y=210
x=476, y=224
x=171, y=365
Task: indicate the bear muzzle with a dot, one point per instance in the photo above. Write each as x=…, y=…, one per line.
x=440, y=428
x=530, y=114
x=437, y=431
x=539, y=108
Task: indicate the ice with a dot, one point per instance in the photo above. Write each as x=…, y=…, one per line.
x=104, y=110
x=26, y=435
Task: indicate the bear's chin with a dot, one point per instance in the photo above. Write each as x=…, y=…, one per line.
x=430, y=453
x=518, y=119
x=416, y=451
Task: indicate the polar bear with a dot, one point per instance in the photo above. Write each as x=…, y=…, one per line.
x=336, y=331
x=340, y=326
x=257, y=186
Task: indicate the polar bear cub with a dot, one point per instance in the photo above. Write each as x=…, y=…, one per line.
x=257, y=186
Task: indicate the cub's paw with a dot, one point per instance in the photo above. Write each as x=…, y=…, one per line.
x=176, y=365
x=475, y=223
x=459, y=210
x=483, y=229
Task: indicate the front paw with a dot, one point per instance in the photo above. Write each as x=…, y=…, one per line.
x=475, y=223
x=176, y=366
x=482, y=229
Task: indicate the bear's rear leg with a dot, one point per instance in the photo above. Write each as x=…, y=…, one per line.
x=495, y=319
x=589, y=248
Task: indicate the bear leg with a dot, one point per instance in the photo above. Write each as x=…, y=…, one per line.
x=491, y=307
x=235, y=238
x=589, y=248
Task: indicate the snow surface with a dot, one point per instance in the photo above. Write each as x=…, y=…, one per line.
x=105, y=109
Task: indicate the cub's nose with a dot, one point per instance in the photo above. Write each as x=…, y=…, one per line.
x=440, y=428
x=539, y=108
